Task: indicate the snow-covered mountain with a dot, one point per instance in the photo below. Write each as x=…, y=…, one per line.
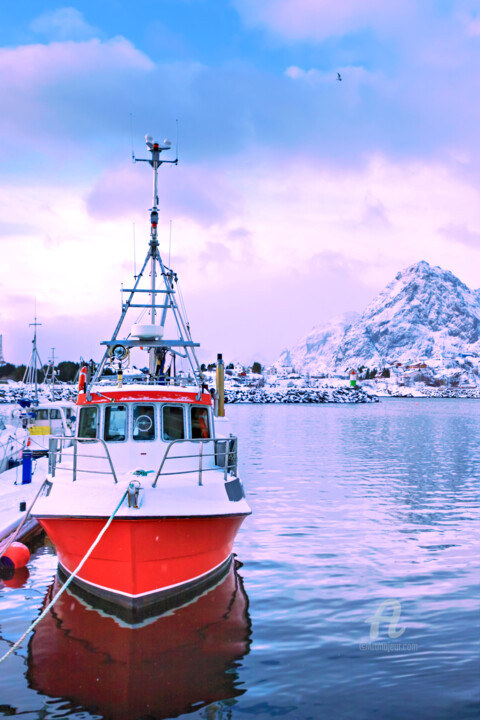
x=315, y=351
x=426, y=313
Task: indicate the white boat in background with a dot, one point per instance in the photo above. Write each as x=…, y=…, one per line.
x=49, y=419
x=145, y=507
x=13, y=440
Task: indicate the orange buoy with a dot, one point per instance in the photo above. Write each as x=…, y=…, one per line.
x=18, y=553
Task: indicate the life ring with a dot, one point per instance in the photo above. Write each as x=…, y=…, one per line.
x=203, y=427
x=82, y=379
x=143, y=423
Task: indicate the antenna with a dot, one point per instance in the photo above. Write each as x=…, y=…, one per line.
x=170, y=245
x=131, y=133
x=134, y=255
x=176, y=142
x=52, y=366
x=30, y=376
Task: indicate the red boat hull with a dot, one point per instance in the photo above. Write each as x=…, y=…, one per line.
x=138, y=561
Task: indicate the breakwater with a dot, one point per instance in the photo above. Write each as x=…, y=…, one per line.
x=299, y=395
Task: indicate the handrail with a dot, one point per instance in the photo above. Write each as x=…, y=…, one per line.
x=230, y=451
x=53, y=450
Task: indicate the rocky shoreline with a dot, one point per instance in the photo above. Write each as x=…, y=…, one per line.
x=299, y=396
x=428, y=392
x=288, y=396
x=12, y=395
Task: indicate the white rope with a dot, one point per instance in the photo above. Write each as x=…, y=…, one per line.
x=72, y=576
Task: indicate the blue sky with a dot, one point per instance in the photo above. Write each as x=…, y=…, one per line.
x=297, y=197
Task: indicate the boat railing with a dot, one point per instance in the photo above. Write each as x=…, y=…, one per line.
x=57, y=444
x=183, y=381
x=224, y=452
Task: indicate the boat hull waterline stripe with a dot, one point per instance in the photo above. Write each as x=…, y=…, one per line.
x=66, y=572
x=134, y=612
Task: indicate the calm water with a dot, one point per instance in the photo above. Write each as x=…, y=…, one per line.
x=358, y=596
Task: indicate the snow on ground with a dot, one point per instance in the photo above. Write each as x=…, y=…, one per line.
x=13, y=493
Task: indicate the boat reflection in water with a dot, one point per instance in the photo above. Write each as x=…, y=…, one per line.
x=167, y=666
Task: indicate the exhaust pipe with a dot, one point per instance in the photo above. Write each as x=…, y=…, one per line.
x=220, y=386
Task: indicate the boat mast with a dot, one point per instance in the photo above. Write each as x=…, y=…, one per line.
x=31, y=374
x=155, y=148
x=51, y=370
x=155, y=163
x=157, y=346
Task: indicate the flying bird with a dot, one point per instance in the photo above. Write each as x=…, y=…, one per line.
x=339, y=77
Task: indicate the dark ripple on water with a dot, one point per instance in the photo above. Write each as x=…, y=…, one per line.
x=354, y=506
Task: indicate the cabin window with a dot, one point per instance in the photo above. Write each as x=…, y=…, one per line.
x=87, y=424
x=115, y=425
x=173, y=427
x=200, y=422
x=55, y=415
x=41, y=414
x=143, y=422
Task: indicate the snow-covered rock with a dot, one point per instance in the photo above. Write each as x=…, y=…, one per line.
x=299, y=395
x=313, y=353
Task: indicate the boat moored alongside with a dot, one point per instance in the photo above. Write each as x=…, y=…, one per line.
x=47, y=419
x=144, y=507
x=13, y=441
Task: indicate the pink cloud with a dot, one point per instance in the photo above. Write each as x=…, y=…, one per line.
x=461, y=233
x=29, y=66
x=319, y=19
x=203, y=194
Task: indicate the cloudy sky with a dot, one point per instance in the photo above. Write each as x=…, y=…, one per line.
x=297, y=196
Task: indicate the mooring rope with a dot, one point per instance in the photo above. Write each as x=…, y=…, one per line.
x=72, y=576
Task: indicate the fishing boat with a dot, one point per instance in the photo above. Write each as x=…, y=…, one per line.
x=144, y=507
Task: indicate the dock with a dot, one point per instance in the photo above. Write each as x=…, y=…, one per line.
x=14, y=497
